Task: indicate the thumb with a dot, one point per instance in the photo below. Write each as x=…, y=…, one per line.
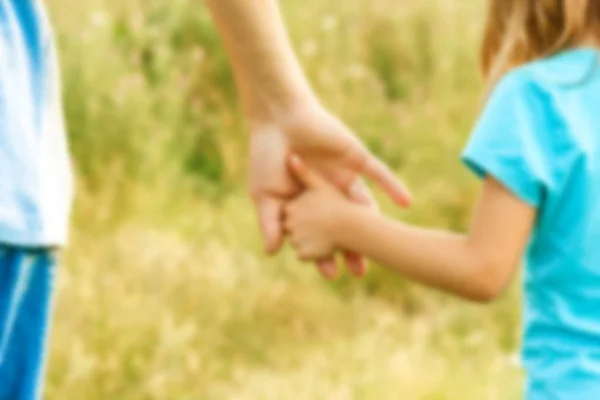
x=369, y=166
x=305, y=175
x=269, y=214
x=360, y=193
x=380, y=173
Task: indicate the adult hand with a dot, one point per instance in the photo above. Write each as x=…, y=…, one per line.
x=329, y=148
x=284, y=116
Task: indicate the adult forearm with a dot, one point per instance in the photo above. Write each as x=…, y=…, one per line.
x=439, y=259
x=268, y=73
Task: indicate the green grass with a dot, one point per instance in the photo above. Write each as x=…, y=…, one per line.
x=164, y=292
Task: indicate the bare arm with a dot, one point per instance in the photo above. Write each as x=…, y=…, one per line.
x=269, y=76
x=477, y=266
x=286, y=117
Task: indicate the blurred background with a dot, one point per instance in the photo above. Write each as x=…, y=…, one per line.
x=165, y=292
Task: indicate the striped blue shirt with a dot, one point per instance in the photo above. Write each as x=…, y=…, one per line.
x=35, y=175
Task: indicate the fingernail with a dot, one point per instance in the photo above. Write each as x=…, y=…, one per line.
x=361, y=272
x=407, y=200
x=270, y=248
x=331, y=272
x=356, y=193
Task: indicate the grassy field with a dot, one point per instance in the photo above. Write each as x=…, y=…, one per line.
x=164, y=292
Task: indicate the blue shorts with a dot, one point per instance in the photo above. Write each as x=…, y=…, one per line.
x=26, y=286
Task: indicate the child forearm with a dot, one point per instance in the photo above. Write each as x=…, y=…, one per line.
x=440, y=259
x=268, y=73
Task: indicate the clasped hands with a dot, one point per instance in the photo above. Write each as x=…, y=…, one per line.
x=315, y=218
x=299, y=196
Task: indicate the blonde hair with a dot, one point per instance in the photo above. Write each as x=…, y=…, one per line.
x=520, y=31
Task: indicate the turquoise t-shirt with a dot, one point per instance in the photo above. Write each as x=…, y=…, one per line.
x=539, y=135
x=35, y=176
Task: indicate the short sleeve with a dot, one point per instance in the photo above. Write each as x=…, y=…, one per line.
x=506, y=142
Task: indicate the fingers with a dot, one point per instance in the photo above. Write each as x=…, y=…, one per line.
x=381, y=174
x=327, y=268
x=270, y=218
x=360, y=193
x=308, y=177
x=356, y=264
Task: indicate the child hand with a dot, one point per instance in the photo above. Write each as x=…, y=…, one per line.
x=313, y=218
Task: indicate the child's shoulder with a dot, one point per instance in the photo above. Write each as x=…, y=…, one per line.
x=548, y=77
x=566, y=69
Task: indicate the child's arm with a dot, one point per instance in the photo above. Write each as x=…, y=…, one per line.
x=477, y=266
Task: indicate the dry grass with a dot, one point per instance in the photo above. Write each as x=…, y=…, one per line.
x=164, y=292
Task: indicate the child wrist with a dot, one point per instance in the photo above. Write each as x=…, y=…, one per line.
x=344, y=223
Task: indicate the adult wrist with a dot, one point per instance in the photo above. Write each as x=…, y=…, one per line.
x=264, y=107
